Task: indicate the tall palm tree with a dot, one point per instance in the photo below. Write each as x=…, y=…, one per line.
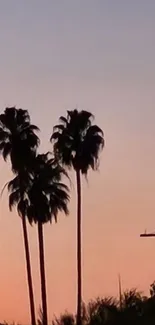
x=44, y=195
x=47, y=195
x=18, y=142
x=77, y=144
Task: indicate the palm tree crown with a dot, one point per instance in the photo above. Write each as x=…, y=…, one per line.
x=17, y=137
x=40, y=195
x=77, y=142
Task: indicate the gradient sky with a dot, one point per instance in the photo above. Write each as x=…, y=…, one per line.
x=99, y=56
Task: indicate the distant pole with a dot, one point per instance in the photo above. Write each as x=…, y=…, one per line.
x=120, y=291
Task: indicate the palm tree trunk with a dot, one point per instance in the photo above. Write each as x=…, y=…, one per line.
x=42, y=273
x=79, y=270
x=29, y=275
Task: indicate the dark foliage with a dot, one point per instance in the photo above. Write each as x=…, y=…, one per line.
x=77, y=142
x=18, y=139
x=137, y=309
x=40, y=194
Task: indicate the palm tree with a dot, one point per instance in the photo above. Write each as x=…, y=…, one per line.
x=44, y=195
x=77, y=144
x=47, y=195
x=19, y=142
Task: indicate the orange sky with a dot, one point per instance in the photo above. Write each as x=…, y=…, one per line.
x=104, y=64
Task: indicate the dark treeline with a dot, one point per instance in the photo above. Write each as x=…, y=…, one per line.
x=133, y=308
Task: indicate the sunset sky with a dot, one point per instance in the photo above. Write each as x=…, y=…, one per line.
x=97, y=55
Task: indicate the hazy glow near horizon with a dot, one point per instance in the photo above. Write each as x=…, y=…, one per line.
x=99, y=56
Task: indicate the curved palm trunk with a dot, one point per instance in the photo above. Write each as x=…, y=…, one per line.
x=42, y=273
x=29, y=275
x=79, y=269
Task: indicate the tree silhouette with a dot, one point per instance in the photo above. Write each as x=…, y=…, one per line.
x=17, y=138
x=77, y=144
x=102, y=311
x=152, y=289
x=136, y=309
x=19, y=142
x=44, y=195
x=64, y=319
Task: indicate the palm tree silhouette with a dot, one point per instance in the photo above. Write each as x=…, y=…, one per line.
x=47, y=196
x=43, y=196
x=19, y=142
x=77, y=144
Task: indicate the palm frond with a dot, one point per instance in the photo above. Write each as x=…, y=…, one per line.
x=3, y=188
x=4, y=135
x=22, y=116
x=31, y=214
x=55, y=136
x=22, y=207
x=63, y=120
x=14, y=199
x=58, y=128
x=30, y=127
x=6, y=150
x=13, y=184
x=94, y=130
